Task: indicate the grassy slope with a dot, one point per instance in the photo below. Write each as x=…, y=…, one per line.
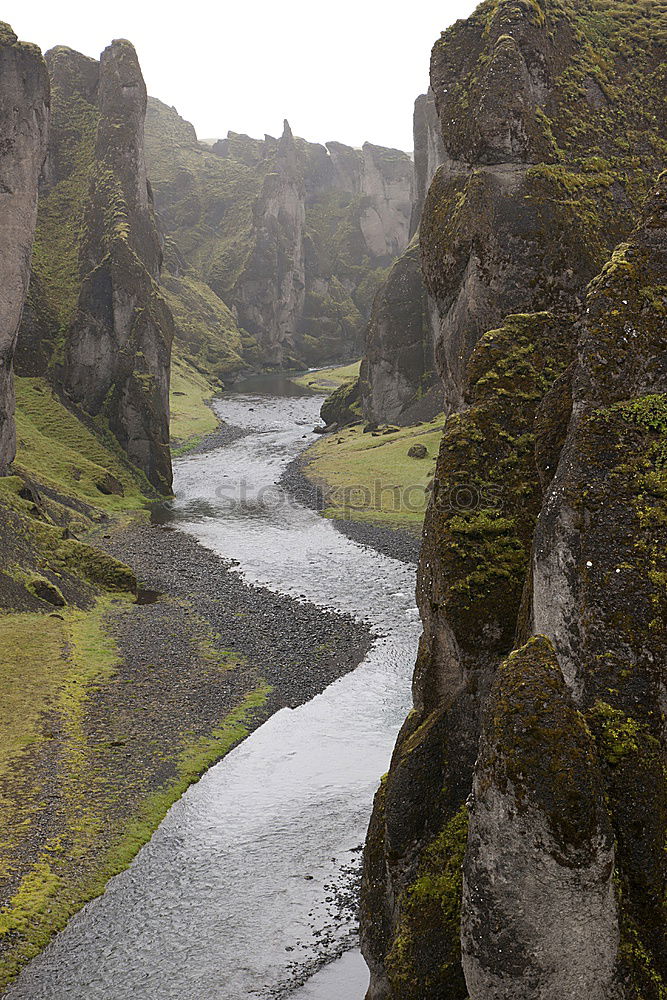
x=326, y=379
x=191, y=416
x=57, y=450
x=370, y=478
x=77, y=803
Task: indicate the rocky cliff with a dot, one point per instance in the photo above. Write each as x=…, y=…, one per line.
x=510, y=853
x=96, y=319
x=270, y=296
x=24, y=112
x=429, y=152
x=398, y=369
x=293, y=237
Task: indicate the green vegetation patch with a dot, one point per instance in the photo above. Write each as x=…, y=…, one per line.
x=58, y=450
x=487, y=492
x=326, y=379
x=191, y=415
x=430, y=920
x=370, y=477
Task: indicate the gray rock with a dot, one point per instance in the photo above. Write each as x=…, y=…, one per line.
x=24, y=114
x=399, y=362
x=270, y=295
x=119, y=346
x=539, y=917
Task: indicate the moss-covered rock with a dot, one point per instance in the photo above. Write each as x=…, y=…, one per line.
x=537, y=101
x=475, y=554
x=96, y=566
x=541, y=176
x=398, y=367
x=539, y=908
x=599, y=583
x=118, y=348
x=24, y=113
x=96, y=322
x=343, y=406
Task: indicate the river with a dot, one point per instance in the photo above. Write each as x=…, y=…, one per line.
x=242, y=891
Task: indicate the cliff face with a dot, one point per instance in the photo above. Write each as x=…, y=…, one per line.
x=540, y=583
x=429, y=152
x=270, y=296
x=398, y=356
x=398, y=369
x=119, y=346
x=96, y=319
x=292, y=236
x=24, y=112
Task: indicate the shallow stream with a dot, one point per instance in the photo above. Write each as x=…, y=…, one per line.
x=244, y=890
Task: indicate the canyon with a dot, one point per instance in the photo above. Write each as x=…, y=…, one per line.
x=506, y=290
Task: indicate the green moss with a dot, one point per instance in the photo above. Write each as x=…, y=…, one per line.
x=540, y=747
x=96, y=566
x=60, y=220
x=487, y=493
x=58, y=450
x=206, y=333
x=429, y=922
x=343, y=406
x=620, y=734
x=33, y=666
x=326, y=379
x=191, y=415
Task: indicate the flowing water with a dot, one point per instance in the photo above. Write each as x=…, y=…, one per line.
x=239, y=890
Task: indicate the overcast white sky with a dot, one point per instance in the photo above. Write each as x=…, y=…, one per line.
x=347, y=70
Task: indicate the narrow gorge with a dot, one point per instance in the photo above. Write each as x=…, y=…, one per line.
x=333, y=521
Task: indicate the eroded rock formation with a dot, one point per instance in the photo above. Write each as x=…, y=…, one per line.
x=270, y=296
x=398, y=357
x=119, y=346
x=294, y=237
x=547, y=511
x=398, y=369
x=24, y=112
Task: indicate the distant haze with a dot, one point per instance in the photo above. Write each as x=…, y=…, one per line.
x=347, y=70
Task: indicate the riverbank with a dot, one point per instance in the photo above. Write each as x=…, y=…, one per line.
x=124, y=700
x=397, y=543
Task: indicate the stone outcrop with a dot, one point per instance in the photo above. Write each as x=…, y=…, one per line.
x=119, y=347
x=24, y=113
x=270, y=296
x=294, y=237
x=98, y=259
x=429, y=152
x=398, y=369
x=540, y=916
x=548, y=489
x=398, y=365
x=599, y=564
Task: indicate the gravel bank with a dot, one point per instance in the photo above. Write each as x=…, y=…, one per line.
x=297, y=647
x=393, y=542
x=224, y=435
